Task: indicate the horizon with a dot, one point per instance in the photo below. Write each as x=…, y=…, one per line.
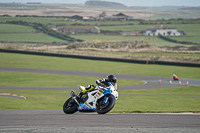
x=128, y=3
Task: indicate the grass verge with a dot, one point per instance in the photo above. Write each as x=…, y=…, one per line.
x=181, y=99
x=43, y=62
x=52, y=80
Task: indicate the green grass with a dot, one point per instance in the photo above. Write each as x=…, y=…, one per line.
x=22, y=37
x=189, y=29
x=36, y=99
x=52, y=80
x=15, y=28
x=43, y=62
x=33, y=19
x=61, y=20
x=19, y=33
x=124, y=28
x=181, y=99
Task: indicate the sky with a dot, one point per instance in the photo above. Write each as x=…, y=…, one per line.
x=125, y=2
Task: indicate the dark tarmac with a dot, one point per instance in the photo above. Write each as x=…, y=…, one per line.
x=49, y=120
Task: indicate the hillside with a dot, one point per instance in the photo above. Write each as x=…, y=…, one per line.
x=105, y=4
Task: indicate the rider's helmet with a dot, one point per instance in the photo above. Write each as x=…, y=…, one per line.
x=111, y=78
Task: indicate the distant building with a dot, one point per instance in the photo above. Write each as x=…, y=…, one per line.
x=122, y=16
x=117, y=17
x=34, y=3
x=162, y=30
x=78, y=30
x=75, y=18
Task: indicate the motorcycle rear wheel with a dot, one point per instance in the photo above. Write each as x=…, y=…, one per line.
x=69, y=109
x=103, y=108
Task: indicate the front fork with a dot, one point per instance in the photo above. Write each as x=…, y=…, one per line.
x=73, y=95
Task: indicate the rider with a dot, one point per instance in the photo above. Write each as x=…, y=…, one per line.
x=175, y=77
x=103, y=82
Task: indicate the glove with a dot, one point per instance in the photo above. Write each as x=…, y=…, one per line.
x=87, y=87
x=103, y=80
x=98, y=82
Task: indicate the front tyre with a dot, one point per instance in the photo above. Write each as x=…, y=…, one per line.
x=103, y=107
x=69, y=107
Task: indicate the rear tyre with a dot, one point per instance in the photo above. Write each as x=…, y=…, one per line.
x=69, y=108
x=103, y=107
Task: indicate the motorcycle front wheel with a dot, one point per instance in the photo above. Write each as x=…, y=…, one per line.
x=69, y=108
x=103, y=107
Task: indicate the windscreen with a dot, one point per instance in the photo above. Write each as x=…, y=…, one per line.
x=114, y=84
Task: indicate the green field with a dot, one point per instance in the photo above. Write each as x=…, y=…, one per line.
x=191, y=30
x=29, y=38
x=20, y=33
x=43, y=62
x=180, y=99
x=34, y=19
x=10, y=28
x=54, y=21
x=50, y=80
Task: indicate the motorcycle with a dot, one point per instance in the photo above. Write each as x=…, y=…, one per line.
x=100, y=100
x=175, y=78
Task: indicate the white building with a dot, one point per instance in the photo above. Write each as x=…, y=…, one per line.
x=162, y=30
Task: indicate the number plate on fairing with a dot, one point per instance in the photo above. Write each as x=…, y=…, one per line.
x=98, y=94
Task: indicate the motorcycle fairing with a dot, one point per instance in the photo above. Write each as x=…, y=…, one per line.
x=85, y=107
x=90, y=103
x=107, y=91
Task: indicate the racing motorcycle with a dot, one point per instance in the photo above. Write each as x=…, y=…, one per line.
x=100, y=100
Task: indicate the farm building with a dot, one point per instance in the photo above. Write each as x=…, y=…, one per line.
x=117, y=17
x=78, y=30
x=75, y=18
x=162, y=30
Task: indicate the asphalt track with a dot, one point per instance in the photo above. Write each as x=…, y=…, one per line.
x=21, y=121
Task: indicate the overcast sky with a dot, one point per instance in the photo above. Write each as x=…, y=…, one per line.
x=125, y=2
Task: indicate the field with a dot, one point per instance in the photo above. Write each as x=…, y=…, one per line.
x=180, y=99
x=26, y=37
x=35, y=29
x=20, y=33
x=24, y=61
x=184, y=99
x=191, y=30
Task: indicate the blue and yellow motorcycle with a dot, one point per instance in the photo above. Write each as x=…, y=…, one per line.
x=100, y=100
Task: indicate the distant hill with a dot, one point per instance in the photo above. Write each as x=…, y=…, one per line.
x=104, y=4
x=190, y=8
